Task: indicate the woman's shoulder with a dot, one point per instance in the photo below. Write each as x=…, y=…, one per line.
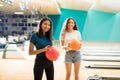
x=76, y=31
x=34, y=34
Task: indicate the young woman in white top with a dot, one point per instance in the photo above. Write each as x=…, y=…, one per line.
x=68, y=33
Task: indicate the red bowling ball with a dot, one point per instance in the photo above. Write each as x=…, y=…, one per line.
x=52, y=53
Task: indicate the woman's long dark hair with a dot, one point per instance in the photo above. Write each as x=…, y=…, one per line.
x=49, y=32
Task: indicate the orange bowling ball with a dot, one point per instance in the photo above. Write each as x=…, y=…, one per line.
x=74, y=45
x=52, y=53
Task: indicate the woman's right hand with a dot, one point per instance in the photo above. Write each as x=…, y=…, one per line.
x=46, y=48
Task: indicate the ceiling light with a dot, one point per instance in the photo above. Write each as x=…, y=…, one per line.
x=10, y=2
x=24, y=5
x=18, y=12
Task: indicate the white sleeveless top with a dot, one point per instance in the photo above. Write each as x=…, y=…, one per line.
x=72, y=35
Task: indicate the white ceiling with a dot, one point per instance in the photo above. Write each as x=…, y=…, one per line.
x=54, y=6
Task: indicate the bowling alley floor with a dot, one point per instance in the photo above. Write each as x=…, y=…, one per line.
x=22, y=69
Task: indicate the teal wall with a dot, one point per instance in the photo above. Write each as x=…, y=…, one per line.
x=98, y=26
x=93, y=25
x=58, y=20
x=115, y=33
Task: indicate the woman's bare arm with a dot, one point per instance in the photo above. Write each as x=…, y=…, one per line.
x=33, y=52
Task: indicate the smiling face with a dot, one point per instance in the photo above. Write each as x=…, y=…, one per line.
x=71, y=24
x=45, y=26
